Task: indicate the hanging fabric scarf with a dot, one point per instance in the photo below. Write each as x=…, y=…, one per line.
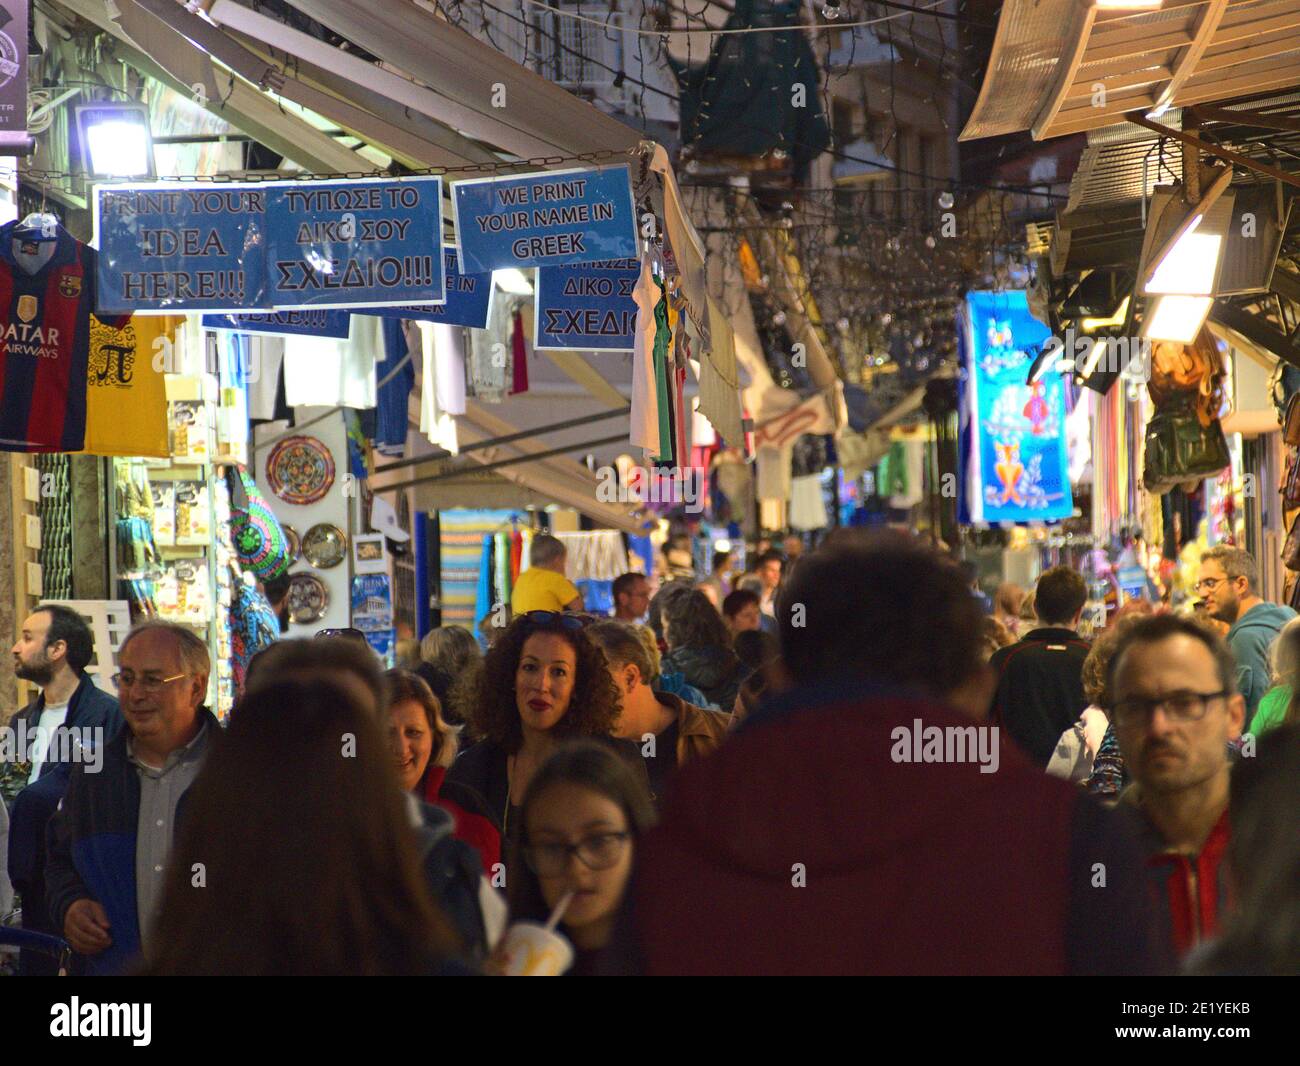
x=519, y=355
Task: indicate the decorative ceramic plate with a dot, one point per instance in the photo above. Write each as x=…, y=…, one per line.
x=324, y=546
x=300, y=470
x=309, y=599
x=294, y=543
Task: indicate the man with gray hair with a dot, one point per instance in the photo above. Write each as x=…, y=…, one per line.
x=680, y=731
x=1229, y=588
x=109, y=842
x=543, y=586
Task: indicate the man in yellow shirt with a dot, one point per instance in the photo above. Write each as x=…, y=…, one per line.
x=543, y=586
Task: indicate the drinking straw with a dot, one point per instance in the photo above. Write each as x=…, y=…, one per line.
x=558, y=913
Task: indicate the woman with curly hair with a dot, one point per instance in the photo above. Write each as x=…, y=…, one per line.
x=541, y=683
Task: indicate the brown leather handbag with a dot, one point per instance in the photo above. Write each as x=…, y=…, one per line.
x=1291, y=422
x=1291, y=483
x=1291, y=550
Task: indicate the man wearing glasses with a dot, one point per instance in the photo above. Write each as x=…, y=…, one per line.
x=109, y=842
x=1175, y=707
x=1228, y=586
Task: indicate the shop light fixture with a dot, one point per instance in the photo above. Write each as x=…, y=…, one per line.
x=115, y=140
x=1176, y=318
x=1190, y=266
x=1094, y=357
x=1184, y=245
x=1127, y=5
x=513, y=280
x=1093, y=325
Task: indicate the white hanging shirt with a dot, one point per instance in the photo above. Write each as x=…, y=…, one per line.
x=320, y=372
x=435, y=423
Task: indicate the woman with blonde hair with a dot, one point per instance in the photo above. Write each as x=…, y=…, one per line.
x=1007, y=604
x=424, y=746
x=1279, y=703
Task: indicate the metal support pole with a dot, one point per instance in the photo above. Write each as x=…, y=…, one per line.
x=510, y=438
x=442, y=475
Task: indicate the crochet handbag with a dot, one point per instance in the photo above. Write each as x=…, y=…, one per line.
x=257, y=534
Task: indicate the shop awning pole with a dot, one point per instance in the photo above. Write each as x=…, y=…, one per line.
x=510, y=438
x=477, y=468
x=1139, y=119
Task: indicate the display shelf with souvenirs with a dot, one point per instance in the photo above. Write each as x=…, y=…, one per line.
x=173, y=556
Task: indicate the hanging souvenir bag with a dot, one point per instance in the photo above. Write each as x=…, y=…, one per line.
x=1291, y=483
x=1291, y=550
x=258, y=537
x=1184, y=440
x=1291, y=423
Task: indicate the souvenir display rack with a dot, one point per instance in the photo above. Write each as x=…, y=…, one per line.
x=173, y=557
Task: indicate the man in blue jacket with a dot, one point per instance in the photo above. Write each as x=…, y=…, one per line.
x=108, y=844
x=53, y=648
x=1229, y=587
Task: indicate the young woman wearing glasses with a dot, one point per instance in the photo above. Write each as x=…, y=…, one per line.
x=581, y=817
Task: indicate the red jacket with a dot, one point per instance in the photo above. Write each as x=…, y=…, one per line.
x=801, y=846
x=476, y=830
x=1192, y=890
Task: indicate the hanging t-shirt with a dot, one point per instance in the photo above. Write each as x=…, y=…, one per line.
x=645, y=397
x=397, y=378
x=47, y=294
x=435, y=423
x=319, y=372
x=126, y=386
x=264, y=384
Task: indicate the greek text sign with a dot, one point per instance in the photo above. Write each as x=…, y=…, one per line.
x=468, y=302
x=333, y=324
x=553, y=219
x=345, y=243
x=588, y=307
x=268, y=246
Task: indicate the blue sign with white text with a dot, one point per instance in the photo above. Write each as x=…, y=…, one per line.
x=588, y=307
x=1018, y=466
x=165, y=248
x=372, y=242
x=551, y=219
x=307, y=323
x=468, y=303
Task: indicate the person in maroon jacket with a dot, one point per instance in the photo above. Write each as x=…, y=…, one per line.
x=865, y=821
x=1175, y=707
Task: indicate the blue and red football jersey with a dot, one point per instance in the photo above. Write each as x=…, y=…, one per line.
x=45, y=345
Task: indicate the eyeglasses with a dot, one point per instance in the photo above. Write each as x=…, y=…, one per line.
x=1208, y=583
x=1179, y=706
x=598, y=852
x=572, y=620
x=148, y=682
x=347, y=633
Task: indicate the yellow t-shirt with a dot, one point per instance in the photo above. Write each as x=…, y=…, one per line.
x=539, y=589
x=126, y=395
